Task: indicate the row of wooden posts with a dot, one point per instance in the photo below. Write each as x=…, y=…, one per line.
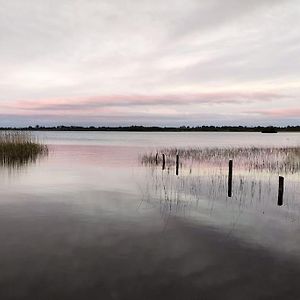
x=230, y=175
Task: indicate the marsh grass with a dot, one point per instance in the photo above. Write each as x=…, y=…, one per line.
x=202, y=184
x=205, y=189
x=19, y=148
x=272, y=159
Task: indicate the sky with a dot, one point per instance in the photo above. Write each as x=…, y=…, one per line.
x=149, y=62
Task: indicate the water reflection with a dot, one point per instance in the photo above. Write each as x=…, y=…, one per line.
x=200, y=193
x=90, y=222
x=18, y=162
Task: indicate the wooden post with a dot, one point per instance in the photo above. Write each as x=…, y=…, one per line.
x=164, y=161
x=156, y=158
x=230, y=179
x=280, y=191
x=177, y=164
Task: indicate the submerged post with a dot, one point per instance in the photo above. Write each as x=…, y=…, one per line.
x=164, y=161
x=230, y=179
x=177, y=164
x=280, y=191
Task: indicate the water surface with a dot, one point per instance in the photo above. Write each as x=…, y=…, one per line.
x=91, y=222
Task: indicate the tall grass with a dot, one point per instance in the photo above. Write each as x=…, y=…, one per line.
x=202, y=184
x=19, y=148
x=272, y=159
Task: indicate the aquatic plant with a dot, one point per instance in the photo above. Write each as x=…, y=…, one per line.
x=272, y=159
x=19, y=148
x=202, y=184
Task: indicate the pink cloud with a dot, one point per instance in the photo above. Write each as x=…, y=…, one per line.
x=278, y=113
x=113, y=103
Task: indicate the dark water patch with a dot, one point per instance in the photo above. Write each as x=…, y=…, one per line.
x=64, y=251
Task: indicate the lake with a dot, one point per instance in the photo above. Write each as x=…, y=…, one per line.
x=92, y=221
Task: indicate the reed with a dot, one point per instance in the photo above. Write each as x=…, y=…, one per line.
x=207, y=186
x=272, y=159
x=19, y=148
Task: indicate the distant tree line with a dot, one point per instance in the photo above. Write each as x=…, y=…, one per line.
x=160, y=129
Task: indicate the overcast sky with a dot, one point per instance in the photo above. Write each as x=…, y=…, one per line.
x=123, y=62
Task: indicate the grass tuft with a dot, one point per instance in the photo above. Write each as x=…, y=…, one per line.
x=19, y=148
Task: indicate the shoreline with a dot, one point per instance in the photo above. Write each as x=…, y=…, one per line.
x=259, y=129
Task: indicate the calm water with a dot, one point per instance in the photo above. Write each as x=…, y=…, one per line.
x=91, y=222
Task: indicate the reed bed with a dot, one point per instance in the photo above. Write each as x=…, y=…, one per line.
x=202, y=184
x=19, y=148
x=272, y=159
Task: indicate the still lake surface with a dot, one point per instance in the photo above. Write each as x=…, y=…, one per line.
x=90, y=221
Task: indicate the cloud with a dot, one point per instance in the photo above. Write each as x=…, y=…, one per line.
x=177, y=119
x=86, y=104
x=139, y=57
x=293, y=112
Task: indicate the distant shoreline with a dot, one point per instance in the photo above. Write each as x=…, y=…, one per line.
x=160, y=129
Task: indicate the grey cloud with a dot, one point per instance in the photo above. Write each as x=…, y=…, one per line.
x=78, y=48
x=145, y=100
x=210, y=15
x=146, y=120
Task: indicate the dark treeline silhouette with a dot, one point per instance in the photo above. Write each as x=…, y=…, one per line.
x=270, y=129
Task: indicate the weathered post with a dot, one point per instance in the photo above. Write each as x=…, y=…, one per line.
x=156, y=158
x=230, y=179
x=280, y=191
x=164, y=161
x=177, y=163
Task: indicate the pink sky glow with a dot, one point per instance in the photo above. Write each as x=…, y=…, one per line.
x=112, y=63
